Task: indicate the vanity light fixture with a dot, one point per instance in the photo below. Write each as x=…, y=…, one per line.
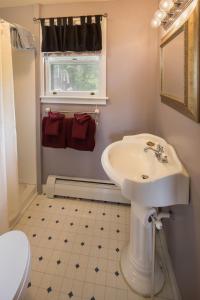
x=170, y=10
x=160, y=14
x=155, y=22
x=166, y=5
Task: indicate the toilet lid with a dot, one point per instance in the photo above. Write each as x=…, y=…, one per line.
x=14, y=256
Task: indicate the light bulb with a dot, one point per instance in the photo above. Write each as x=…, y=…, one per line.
x=155, y=22
x=166, y=5
x=159, y=14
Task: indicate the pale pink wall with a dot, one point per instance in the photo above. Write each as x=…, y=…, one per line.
x=183, y=230
x=131, y=79
x=22, y=15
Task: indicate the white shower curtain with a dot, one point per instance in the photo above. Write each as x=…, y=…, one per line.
x=9, y=202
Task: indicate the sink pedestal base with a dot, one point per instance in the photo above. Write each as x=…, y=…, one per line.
x=136, y=258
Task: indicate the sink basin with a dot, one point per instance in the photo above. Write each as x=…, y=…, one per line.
x=150, y=179
x=141, y=176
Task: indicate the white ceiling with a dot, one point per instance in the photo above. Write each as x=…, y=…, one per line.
x=13, y=3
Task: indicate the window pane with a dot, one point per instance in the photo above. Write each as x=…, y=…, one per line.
x=75, y=74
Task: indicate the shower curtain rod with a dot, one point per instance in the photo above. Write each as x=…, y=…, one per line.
x=4, y=21
x=39, y=19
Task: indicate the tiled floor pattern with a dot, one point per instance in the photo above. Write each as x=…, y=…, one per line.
x=76, y=248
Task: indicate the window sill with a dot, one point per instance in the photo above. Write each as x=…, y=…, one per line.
x=74, y=100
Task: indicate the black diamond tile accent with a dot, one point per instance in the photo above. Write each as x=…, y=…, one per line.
x=117, y=230
x=71, y=224
x=101, y=228
x=50, y=206
x=89, y=212
x=57, y=221
x=37, y=204
x=117, y=273
x=77, y=266
x=70, y=295
x=49, y=238
x=65, y=241
x=58, y=262
x=99, y=246
x=34, y=235
x=40, y=258
x=49, y=290
x=62, y=208
x=86, y=226
x=29, y=217
x=118, y=216
x=82, y=244
x=29, y=285
x=117, y=249
x=42, y=219
x=76, y=209
x=92, y=298
x=96, y=269
x=103, y=214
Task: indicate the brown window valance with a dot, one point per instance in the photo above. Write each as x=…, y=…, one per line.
x=63, y=34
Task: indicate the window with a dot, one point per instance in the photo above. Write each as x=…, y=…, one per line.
x=74, y=77
x=77, y=74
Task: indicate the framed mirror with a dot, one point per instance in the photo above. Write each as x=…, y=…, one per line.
x=180, y=68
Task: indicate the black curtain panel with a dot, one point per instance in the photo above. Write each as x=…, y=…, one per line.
x=61, y=34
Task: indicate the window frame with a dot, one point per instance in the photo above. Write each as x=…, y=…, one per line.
x=76, y=97
x=78, y=94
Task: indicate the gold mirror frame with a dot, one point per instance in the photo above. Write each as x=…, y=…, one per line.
x=190, y=107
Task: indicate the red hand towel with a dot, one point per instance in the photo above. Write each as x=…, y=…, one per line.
x=81, y=118
x=83, y=145
x=54, y=141
x=80, y=126
x=54, y=116
x=53, y=123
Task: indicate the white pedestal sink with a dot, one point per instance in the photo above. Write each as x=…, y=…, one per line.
x=148, y=183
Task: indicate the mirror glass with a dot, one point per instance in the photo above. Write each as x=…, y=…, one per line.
x=173, y=72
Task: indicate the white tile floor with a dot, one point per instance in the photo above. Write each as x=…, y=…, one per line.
x=76, y=247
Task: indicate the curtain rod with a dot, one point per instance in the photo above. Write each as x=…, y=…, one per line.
x=39, y=19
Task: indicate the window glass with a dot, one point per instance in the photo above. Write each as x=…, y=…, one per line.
x=74, y=74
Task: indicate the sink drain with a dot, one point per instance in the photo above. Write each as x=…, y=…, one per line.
x=145, y=177
x=150, y=144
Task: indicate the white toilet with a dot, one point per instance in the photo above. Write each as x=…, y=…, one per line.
x=15, y=258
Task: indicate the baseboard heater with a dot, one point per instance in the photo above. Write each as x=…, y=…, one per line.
x=91, y=189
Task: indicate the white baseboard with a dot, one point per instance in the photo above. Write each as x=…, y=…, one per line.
x=28, y=196
x=91, y=189
x=168, y=265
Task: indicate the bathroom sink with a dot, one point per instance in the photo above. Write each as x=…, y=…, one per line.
x=150, y=174
x=141, y=176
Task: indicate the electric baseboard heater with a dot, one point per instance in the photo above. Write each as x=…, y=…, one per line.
x=91, y=189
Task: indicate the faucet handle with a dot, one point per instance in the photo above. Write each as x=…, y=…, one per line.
x=165, y=159
x=160, y=148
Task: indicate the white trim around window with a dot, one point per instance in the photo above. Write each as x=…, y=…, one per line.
x=74, y=100
x=77, y=98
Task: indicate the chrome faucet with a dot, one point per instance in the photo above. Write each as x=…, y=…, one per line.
x=159, y=153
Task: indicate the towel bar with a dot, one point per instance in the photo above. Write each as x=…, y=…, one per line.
x=95, y=112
